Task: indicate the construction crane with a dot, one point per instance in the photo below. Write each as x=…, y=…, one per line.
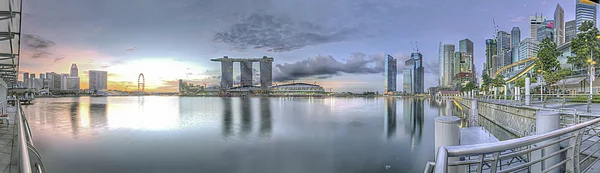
x=495, y=28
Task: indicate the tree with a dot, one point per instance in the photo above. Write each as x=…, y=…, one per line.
x=470, y=86
x=521, y=81
x=584, y=45
x=546, y=63
x=498, y=81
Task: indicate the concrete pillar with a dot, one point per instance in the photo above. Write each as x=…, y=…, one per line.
x=447, y=133
x=246, y=73
x=474, y=108
x=226, y=74
x=527, y=92
x=505, y=92
x=266, y=73
x=495, y=92
x=546, y=121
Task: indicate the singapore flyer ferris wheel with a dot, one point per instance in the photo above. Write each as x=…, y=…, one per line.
x=141, y=83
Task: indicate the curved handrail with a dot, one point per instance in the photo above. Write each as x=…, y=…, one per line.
x=452, y=151
x=26, y=144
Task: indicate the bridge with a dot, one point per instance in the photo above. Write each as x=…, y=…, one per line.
x=528, y=63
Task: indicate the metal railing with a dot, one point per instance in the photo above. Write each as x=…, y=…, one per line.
x=578, y=141
x=25, y=145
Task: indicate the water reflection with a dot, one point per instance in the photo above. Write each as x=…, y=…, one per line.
x=390, y=116
x=73, y=113
x=246, y=112
x=414, y=112
x=266, y=124
x=97, y=112
x=227, y=116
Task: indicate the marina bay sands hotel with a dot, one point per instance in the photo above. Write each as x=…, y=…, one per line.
x=266, y=71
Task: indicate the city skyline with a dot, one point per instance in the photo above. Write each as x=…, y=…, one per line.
x=352, y=52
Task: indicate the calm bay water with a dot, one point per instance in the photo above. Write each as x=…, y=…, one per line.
x=253, y=135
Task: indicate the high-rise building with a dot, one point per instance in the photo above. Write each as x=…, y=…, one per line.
x=74, y=71
x=546, y=30
x=391, y=70
x=408, y=73
x=42, y=76
x=441, y=65
x=570, y=30
x=490, y=51
x=559, y=25
x=72, y=83
x=32, y=76
x=63, y=81
x=503, y=45
x=448, y=64
x=515, y=38
x=419, y=77
x=584, y=11
x=414, y=75
x=97, y=80
x=528, y=48
x=459, y=60
x=25, y=76
x=534, y=21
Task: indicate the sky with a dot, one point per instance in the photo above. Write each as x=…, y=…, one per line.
x=338, y=44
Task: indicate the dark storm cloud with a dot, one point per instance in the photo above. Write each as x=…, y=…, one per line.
x=278, y=34
x=38, y=44
x=326, y=66
x=323, y=67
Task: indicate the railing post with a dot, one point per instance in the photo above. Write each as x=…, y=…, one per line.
x=527, y=92
x=546, y=121
x=575, y=143
x=505, y=93
x=447, y=133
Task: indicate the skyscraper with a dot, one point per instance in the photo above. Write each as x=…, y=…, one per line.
x=570, y=30
x=584, y=12
x=534, y=21
x=419, y=77
x=97, y=80
x=74, y=71
x=441, y=65
x=408, y=73
x=559, y=25
x=448, y=64
x=503, y=45
x=490, y=50
x=413, y=81
x=546, y=30
x=391, y=71
x=528, y=48
x=515, y=38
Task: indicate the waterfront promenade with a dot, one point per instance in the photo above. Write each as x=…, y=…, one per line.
x=7, y=137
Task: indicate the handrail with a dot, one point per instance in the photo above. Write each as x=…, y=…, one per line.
x=25, y=163
x=26, y=144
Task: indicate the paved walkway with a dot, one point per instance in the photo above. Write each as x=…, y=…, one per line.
x=7, y=137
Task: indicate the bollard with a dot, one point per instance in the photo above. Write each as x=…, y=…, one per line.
x=505, y=92
x=546, y=121
x=474, y=109
x=527, y=92
x=447, y=133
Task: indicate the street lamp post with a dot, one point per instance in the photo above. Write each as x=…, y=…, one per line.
x=591, y=63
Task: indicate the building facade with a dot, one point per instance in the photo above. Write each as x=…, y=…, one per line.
x=528, y=48
x=559, y=25
x=515, y=38
x=441, y=65
x=490, y=50
x=97, y=80
x=546, y=30
x=73, y=83
x=74, y=70
x=584, y=11
x=570, y=30
x=408, y=73
x=449, y=50
x=534, y=22
x=391, y=71
x=63, y=81
x=503, y=46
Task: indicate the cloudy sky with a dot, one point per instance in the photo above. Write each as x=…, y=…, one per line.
x=338, y=44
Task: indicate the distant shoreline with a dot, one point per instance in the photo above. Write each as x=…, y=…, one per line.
x=251, y=96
